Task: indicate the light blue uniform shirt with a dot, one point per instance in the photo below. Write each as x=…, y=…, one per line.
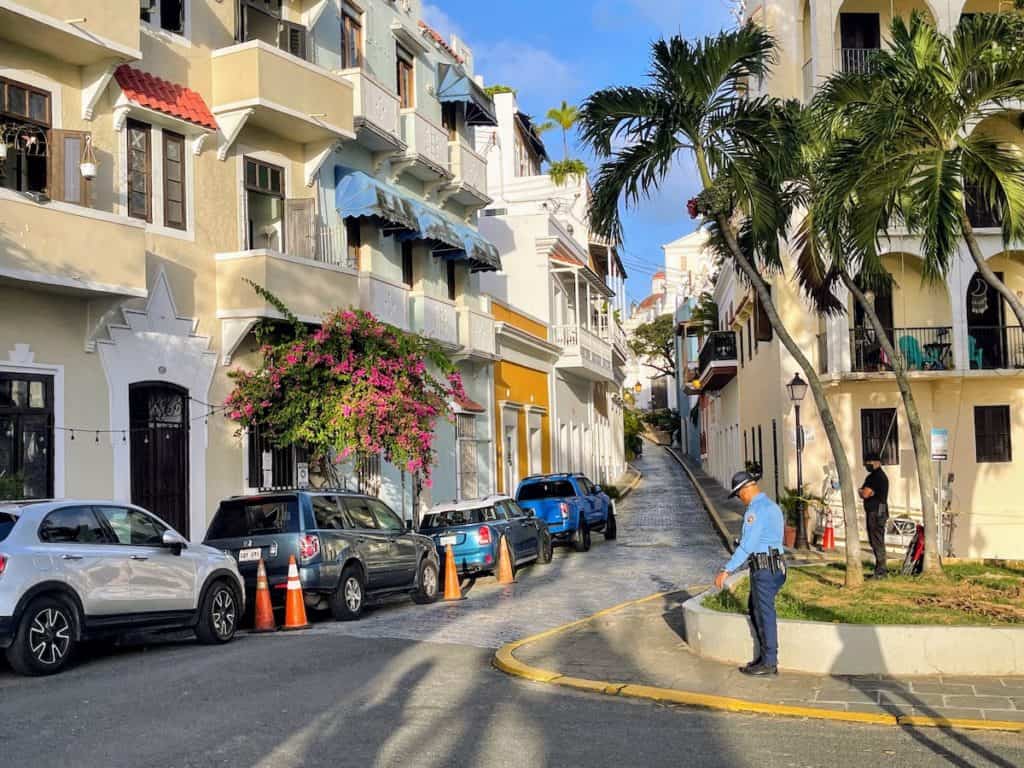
x=762, y=530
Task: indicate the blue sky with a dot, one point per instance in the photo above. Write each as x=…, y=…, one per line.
x=549, y=50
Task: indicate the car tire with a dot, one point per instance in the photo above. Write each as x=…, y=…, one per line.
x=218, y=614
x=611, y=528
x=545, y=548
x=581, y=536
x=45, y=639
x=426, y=591
x=348, y=599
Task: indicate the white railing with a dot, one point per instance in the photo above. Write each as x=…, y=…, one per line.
x=424, y=138
x=476, y=331
x=467, y=166
x=387, y=301
x=592, y=350
x=330, y=248
x=374, y=102
x=435, y=319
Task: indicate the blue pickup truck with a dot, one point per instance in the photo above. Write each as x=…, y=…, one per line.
x=571, y=506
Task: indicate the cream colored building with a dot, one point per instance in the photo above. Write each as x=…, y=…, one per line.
x=155, y=156
x=555, y=273
x=963, y=346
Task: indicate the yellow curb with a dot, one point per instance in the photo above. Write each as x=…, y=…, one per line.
x=505, y=660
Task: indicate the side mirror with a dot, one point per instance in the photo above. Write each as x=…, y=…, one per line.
x=174, y=542
x=597, y=489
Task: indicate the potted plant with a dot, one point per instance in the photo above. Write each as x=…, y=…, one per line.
x=789, y=501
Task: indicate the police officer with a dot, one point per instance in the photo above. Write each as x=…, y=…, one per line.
x=760, y=548
x=875, y=493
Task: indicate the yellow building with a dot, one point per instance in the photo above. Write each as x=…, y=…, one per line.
x=963, y=346
x=155, y=156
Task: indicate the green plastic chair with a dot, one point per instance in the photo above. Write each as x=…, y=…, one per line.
x=911, y=352
x=975, y=355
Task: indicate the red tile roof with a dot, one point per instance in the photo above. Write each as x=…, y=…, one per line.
x=472, y=406
x=439, y=39
x=650, y=301
x=170, y=98
x=658, y=274
x=567, y=259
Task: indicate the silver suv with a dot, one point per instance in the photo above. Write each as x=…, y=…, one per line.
x=73, y=570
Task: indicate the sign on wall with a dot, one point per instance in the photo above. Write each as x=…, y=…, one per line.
x=940, y=444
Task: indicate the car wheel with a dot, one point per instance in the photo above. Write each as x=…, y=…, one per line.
x=45, y=639
x=218, y=615
x=426, y=592
x=545, y=548
x=611, y=529
x=350, y=596
x=581, y=538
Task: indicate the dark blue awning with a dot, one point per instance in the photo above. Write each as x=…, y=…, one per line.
x=455, y=85
x=358, y=194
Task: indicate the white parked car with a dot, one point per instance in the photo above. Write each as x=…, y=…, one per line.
x=72, y=570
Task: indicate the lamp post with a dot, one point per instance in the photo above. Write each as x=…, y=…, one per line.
x=797, y=390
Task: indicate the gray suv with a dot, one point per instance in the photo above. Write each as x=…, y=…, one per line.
x=350, y=548
x=75, y=570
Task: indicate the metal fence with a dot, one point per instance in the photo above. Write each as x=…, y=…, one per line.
x=919, y=349
x=719, y=346
x=857, y=60
x=990, y=347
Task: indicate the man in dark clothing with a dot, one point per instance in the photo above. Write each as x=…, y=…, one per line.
x=875, y=493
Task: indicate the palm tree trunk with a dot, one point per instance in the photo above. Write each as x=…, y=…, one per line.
x=565, y=143
x=925, y=478
x=986, y=271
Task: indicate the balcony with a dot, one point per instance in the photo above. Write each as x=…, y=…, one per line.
x=469, y=172
x=387, y=301
x=919, y=349
x=259, y=85
x=426, y=154
x=857, y=60
x=717, y=360
x=476, y=333
x=376, y=113
x=435, y=318
x=40, y=244
x=979, y=212
x=309, y=287
x=995, y=347
x=79, y=32
x=583, y=353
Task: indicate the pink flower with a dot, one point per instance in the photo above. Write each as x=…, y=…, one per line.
x=249, y=410
x=428, y=483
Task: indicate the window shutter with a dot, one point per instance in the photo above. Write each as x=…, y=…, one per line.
x=65, y=176
x=300, y=228
x=293, y=39
x=174, y=180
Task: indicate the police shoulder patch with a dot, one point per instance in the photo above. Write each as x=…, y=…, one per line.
x=750, y=519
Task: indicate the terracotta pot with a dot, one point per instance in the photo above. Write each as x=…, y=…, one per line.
x=789, y=536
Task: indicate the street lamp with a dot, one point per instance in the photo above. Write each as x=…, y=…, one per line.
x=638, y=387
x=797, y=390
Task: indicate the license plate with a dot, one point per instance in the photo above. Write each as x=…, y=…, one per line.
x=446, y=540
x=249, y=555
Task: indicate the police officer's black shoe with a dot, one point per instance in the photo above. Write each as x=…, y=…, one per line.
x=754, y=663
x=760, y=670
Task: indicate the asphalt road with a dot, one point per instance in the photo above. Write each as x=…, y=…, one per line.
x=367, y=694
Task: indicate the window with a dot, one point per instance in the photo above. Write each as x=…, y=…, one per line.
x=25, y=123
x=237, y=518
x=992, y=434
x=26, y=435
x=545, y=489
x=174, y=180
x=750, y=339
x=359, y=514
x=293, y=39
x=407, y=273
x=466, y=468
x=585, y=485
x=139, y=173
x=386, y=519
x=168, y=15
x=351, y=38
x=264, y=185
x=328, y=513
x=762, y=326
x=449, y=268
x=73, y=525
x=354, y=242
x=272, y=466
x=406, y=79
x=450, y=119
x=130, y=526
x=739, y=341
x=880, y=434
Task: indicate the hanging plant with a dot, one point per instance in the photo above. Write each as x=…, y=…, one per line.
x=88, y=164
x=354, y=386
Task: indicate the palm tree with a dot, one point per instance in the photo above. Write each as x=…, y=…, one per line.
x=564, y=117
x=697, y=104
x=906, y=149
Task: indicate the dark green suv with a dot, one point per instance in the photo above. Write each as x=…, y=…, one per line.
x=350, y=548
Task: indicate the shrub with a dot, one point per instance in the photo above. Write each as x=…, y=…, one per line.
x=561, y=171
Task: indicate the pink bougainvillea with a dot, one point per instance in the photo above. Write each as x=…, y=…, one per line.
x=354, y=385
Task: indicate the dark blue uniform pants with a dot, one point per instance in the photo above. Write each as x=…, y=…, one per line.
x=764, y=585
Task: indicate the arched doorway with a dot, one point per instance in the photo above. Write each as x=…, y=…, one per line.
x=159, y=416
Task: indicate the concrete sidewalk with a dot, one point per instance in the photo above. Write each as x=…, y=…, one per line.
x=642, y=644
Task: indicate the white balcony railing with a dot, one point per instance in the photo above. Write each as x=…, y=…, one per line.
x=467, y=166
x=374, y=103
x=583, y=346
x=435, y=319
x=387, y=301
x=476, y=331
x=424, y=138
x=330, y=248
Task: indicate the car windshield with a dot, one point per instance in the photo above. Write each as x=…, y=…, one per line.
x=7, y=521
x=237, y=518
x=545, y=489
x=458, y=517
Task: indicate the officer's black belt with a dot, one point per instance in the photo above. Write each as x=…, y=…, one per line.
x=773, y=560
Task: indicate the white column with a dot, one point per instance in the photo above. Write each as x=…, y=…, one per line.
x=837, y=333
x=960, y=273
x=576, y=293
x=588, y=305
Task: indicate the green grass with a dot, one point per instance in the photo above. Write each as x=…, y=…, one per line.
x=971, y=593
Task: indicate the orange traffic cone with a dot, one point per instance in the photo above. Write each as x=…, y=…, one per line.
x=452, y=588
x=505, y=575
x=264, y=612
x=828, y=538
x=295, y=606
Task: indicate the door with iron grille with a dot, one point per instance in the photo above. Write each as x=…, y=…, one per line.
x=159, y=451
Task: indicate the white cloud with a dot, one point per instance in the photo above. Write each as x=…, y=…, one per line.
x=538, y=75
x=441, y=21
